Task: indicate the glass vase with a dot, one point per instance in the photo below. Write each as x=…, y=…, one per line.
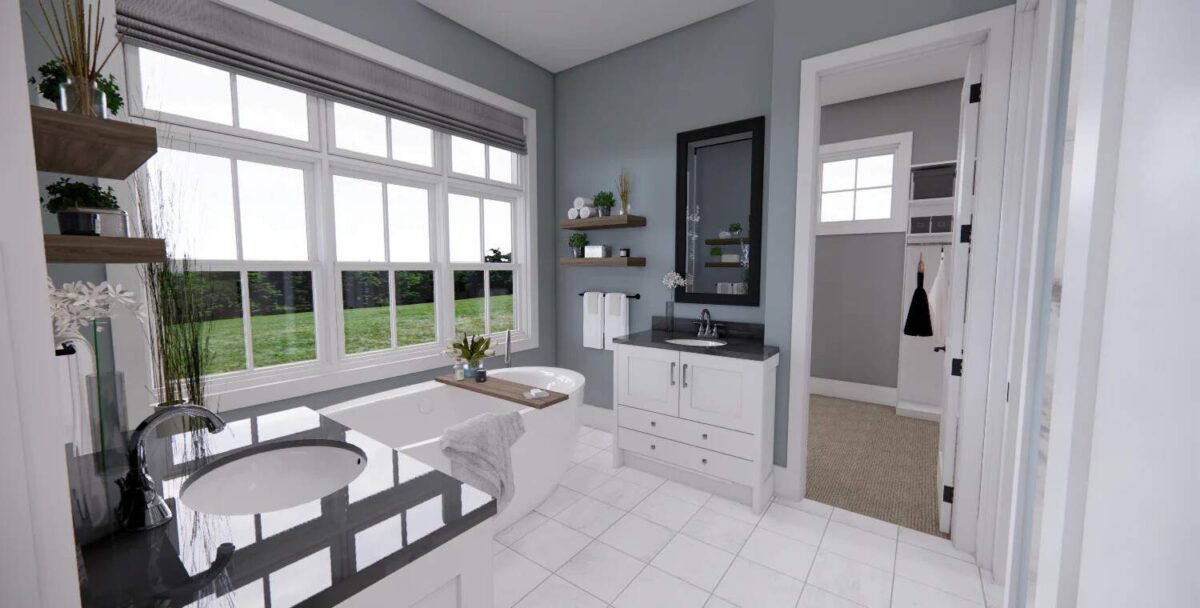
x=88, y=100
x=669, y=317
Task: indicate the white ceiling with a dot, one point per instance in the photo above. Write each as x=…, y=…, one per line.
x=560, y=34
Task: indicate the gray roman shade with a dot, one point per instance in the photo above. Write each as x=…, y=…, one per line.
x=218, y=33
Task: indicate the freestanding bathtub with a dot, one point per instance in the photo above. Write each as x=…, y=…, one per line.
x=412, y=419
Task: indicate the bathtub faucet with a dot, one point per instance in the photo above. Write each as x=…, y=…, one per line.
x=507, y=347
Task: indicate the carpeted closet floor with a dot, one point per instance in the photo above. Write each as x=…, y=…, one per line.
x=864, y=458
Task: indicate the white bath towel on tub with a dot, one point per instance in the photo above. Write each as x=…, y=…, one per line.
x=480, y=453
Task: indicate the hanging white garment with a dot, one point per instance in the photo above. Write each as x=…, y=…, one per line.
x=939, y=301
x=593, y=320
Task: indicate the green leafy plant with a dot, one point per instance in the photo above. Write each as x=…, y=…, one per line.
x=604, y=199
x=735, y=227
x=73, y=30
x=714, y=251
x=471, y=349
x=54, y=75
x=69, y=194
x=578, y=239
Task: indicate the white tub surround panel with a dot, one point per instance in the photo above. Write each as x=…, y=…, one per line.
x=697, y=414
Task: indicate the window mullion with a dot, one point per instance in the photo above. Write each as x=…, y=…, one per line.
x=392, y=304
x=247, y=334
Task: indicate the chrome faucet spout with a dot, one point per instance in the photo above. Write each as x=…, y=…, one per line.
x=507, y=347
x=705, y=323
x=141, y=507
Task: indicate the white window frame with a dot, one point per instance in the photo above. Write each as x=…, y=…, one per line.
x=897, y=144
x=333, y=368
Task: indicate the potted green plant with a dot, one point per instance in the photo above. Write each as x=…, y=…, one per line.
x=715, y=252
x=577, y=242
x=55, y=82
x=471, y=350
x=735, y=229
x=85, y=209
x=72, y=30
x=604, y=201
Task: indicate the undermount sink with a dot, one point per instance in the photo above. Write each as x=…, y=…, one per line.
x=273, y=477
x=702, y=342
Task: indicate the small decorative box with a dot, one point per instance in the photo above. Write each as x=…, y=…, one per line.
x=596, y=251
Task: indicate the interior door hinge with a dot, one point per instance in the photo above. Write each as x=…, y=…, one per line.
x=964, y=233
x=956, y=367
x=948, y=494
x=976, y=93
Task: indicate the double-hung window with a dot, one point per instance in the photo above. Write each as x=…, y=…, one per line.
x=862, y=185
x=329, y=237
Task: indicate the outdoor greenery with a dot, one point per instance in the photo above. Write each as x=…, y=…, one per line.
x=69, y=194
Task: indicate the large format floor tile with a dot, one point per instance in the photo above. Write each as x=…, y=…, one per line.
x=860, y=583
x=638, y=537
x=693, y=561
x=654, y=588
x=513, y=576
x=555, y=592
x=718, y=530
x=551, y=544
x=752, y=585
x=590, y=516
x=601, y=570
x=951, y=575
x=666, y=510
x=779, y=553
x=860, y=545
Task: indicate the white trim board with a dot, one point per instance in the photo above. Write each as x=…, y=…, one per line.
x=597, y=417
x=854, y=391
x=920, y=411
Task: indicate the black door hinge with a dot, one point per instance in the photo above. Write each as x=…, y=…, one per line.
x=956, y=367
x=948, y=494
x=976, y=93
x=964, y=233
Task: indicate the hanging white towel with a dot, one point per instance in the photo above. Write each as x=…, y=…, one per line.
x=593, y=320
x=939, y=301
x=616, y=318
x=480, y=452
x=573, y=213
x=582, y=201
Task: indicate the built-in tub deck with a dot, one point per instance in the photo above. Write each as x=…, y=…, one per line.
x=504, y=389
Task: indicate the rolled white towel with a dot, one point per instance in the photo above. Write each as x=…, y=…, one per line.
x=572, y=213
x=581, y=202
x=586, y=212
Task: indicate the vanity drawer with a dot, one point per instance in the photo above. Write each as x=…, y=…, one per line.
x=697, y=459
x=734, y=443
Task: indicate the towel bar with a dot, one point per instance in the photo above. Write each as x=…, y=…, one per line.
x=636, y=296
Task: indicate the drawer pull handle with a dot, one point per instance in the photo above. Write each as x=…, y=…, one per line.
x=672, y=374
x=703, y=461
x=704, y=435
x=653, y=423
x=653, y=447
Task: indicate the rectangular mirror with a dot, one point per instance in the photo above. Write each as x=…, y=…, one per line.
x=718, y=213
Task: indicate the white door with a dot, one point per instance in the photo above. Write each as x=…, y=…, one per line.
x=960, y=261
x=720, y=391
x=647, y=378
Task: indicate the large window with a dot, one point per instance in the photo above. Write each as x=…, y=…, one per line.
x=327, y=234
x=861, y=185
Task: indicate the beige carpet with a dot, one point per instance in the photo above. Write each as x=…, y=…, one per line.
x=864, y=458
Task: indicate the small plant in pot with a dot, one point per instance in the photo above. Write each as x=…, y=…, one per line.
x=715, y=252
x=604, y=201
x=73, y=31
x=56, y=86
x=577, y=242
x=735, y=229
x=84, y=209
x=471, y=350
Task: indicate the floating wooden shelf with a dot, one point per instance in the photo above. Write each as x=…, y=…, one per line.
x=722, y=264
x=65, y=142
x=741, y=240
x=61, y=248
x=602, y=223
x=610, y=262
x=504, y=389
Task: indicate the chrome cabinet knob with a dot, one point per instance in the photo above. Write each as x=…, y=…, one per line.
x=703, y=461
x=704, y=435
x=653, y=423
x=653, y=447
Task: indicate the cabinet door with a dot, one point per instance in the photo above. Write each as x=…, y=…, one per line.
x=721, y=391
x=647, y=378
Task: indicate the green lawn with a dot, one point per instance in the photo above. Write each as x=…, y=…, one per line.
x=289, y=338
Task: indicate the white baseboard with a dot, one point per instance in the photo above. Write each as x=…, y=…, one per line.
x=597, y=417
x=923, y=411
x=868, y=393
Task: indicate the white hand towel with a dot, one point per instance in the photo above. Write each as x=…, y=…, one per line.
x=480, y=452
x=572, y=213
x=593, y=320
x=939, y=301
x=582, y=201
x=616, y=318
x=586, y=212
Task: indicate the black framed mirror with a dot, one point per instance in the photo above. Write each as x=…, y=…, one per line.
x=718, y=213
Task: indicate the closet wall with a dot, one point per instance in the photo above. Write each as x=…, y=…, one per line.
x=859, y=294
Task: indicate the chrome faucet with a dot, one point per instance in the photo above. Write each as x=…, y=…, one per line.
x=507, y=347
x=141, y=508
x=706, y=328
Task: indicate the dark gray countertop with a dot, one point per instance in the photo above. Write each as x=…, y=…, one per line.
x=317, y=554
x=751, y=349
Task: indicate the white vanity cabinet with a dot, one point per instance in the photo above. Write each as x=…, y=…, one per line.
x=704, y=420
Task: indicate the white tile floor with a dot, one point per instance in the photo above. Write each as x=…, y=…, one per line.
x=629, y=539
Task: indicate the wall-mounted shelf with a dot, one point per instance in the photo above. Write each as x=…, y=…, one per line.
x=61, y=248
x=739, y=240
x=65, y=142
x=602, y=223
x=609, y=262
x=722, y=264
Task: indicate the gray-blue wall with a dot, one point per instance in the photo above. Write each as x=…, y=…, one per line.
x=624, y=110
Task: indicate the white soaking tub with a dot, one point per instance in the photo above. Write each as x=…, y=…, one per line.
x=412, y=419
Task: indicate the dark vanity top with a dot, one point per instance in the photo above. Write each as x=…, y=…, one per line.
x=743, y=340
x=317, y=554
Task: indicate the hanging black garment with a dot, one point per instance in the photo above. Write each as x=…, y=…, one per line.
x=918, y=322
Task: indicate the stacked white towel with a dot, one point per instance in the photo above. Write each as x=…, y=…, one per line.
x=586, y=212
x=582, y=201
x=593, y=320
x=572, y=213
x=616, y=318
x=480, y=452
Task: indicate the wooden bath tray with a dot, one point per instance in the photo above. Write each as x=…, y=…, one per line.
x=503, y=389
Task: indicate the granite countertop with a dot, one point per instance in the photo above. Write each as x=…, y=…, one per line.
x=314, y=555
x=743, y=341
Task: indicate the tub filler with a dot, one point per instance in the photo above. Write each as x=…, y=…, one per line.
x=412, y=419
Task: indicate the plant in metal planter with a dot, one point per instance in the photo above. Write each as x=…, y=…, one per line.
x=577, y=242
x=604, y=201
x=715, y=252
x=55, y=81
x=81, y=208
x=73, y=31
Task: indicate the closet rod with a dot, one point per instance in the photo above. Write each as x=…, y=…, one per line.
x=636, y=296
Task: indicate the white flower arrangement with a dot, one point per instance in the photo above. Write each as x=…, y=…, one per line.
x=78, y=303
x=673, y=279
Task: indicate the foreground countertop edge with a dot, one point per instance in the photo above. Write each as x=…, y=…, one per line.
x=736, y=348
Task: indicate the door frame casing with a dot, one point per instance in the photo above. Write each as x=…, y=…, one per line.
x=995, y=29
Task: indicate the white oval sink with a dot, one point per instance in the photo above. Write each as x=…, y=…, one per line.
x=273, y=477
x=696, y=342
